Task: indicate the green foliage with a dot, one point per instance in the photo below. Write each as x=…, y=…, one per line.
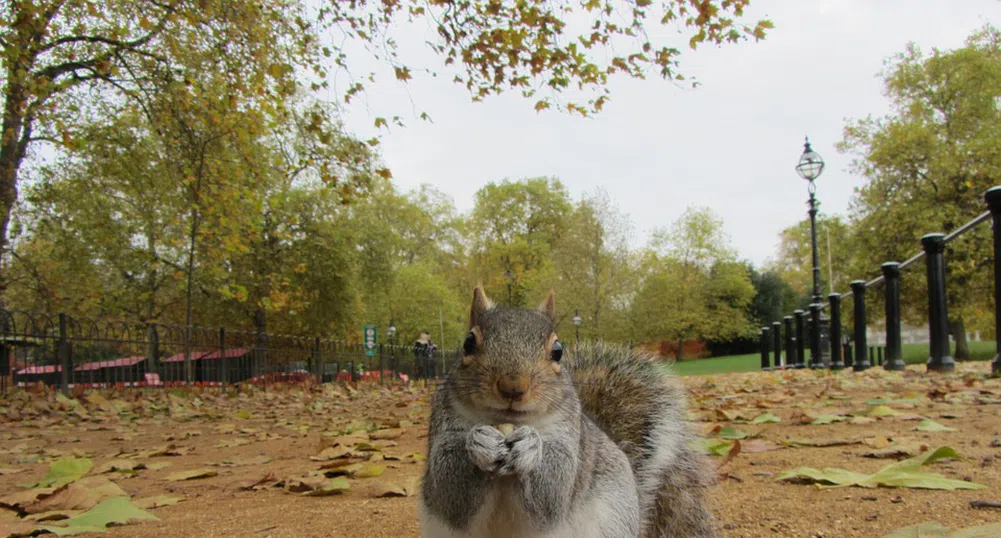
x=692, y=286
x=927, y=164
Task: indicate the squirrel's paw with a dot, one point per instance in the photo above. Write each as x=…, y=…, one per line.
x=525, y=451
x=486, y=447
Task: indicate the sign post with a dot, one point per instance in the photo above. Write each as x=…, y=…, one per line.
x=371, y=340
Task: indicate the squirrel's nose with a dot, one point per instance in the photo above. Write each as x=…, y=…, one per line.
x=512, y=389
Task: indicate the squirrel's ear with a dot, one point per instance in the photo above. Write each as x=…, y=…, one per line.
x=481, y=303
x=548, y=306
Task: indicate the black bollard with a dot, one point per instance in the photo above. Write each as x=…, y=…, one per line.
x=837, y=363
x=894, y=353
x=816, y=360
x=777, y=344
x=938, y=315
x=858, y=292
x=790, y=343
x=800, y=317
x=993, y=197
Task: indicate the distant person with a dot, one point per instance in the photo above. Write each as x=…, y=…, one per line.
x=422, y=350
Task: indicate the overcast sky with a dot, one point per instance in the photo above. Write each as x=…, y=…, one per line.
x=730, y=144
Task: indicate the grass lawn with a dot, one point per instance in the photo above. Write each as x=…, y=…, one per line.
x=913, y=354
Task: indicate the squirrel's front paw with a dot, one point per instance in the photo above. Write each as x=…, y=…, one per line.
x=525, y=451
x=486, y=447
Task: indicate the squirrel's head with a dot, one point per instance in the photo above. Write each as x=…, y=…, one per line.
x=510, y=369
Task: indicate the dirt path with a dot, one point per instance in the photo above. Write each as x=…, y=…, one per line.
x=287, y=427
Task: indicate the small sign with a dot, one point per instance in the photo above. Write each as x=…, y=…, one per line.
x=371, y=340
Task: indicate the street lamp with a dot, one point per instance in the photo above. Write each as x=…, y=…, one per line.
x=576, y=325
x=391, y=333
x=510, y=279
x=810, y=166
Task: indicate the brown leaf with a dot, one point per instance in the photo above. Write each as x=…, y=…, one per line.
x=755, y=446
x=118, y=465
x=83, y=494
x=15, y=501
x=897, y=451
x=267, y=481
x=394, y=433
x=193, y=474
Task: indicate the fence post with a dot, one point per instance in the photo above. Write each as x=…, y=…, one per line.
x=764, y=339
x=777, y=344
x=879, y=355
x=938, y=315
x=894, y=353
x=837, y=363
x=816, y=360
x=317, y=361
x=223, y=365
x=800, y=317
x=861, y=359
x=849, y=363
x=993, y=197
x=381, y=353
x=152, y=349
x=790, y=343
x=65, y=362
x=260, y=342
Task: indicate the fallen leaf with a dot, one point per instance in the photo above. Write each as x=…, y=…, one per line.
x=150, y=503
x=63, y=471
x=821, y=442
x=936, y=530
x=117, y=510
x=766, y=418
x=83, y=494
x=882, y=411
x=754, y=446
x=241, y=462
x=119, y=465
x=332, y=487
x=904, y=473
x=368, y=470
x=928, y=425
x=393, y=433
x=193, y=474
x=897, y=451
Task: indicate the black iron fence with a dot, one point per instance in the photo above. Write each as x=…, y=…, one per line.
x=858, y=355
x=58, y=350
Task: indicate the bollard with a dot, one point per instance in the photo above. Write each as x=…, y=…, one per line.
x=993, y=197
x=837, y=349
x=764, y=338
x=858, y=292
x=894, y=353
x=879, y=355
x=938, y=315
x=790, y=343
x=848, y=356
x=816, y=360
x=777, y=344
x=800, y=317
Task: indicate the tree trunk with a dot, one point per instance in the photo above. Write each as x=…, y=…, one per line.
x=13, y=144
x=188, y=370
x=958, y=330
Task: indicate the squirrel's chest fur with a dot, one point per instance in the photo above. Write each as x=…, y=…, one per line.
x=501, y=516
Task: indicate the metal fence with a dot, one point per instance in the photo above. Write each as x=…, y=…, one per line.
x=57, y=350
x=857, y=354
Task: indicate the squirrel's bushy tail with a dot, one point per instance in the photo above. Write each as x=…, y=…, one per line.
x=642, y=408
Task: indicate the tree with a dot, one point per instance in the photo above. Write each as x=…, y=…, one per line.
x=692, y=286
x=794, y=259
x=927, y=165
x=774, y=298
x=592, y=262
x=62, y=59
x=513, y=229
x=529, y=47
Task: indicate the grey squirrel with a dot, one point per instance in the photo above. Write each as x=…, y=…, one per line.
x=526, y=442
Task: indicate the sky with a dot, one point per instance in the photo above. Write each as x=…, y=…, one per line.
x=731, y=144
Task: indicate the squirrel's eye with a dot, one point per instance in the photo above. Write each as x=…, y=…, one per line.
x=469, y=346
x=557, y=351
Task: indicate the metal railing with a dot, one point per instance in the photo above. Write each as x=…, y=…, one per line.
x=58, y=350
x=859, y=356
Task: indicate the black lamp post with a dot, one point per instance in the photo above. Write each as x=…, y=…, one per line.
x=576, y=325
x=810, y=166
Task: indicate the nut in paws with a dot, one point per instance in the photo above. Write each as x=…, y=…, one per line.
x=525, y=451
x=487, y=448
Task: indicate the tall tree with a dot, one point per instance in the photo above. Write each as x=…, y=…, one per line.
x=592, y=261
x=60, y=58
x=693, y=286
x=512, y=231
x=927, y=164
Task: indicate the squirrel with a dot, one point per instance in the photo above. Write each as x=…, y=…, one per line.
x=524, y=442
